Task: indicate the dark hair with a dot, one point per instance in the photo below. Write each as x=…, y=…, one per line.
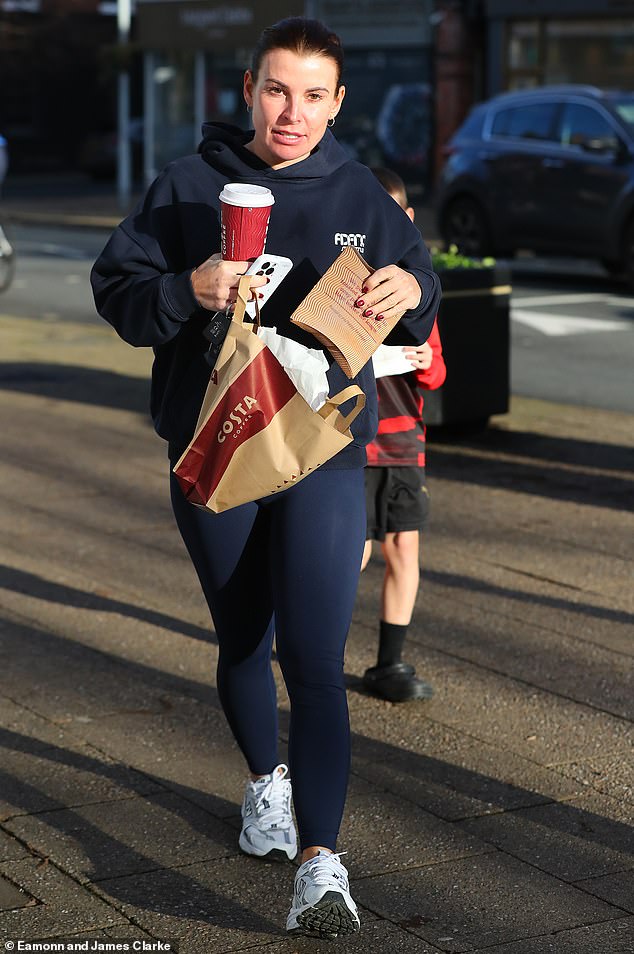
x=392, y=183
x=302, y=36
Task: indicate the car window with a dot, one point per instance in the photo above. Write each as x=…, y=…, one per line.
x=535, y=121
x=625, y=109
x=586, y=127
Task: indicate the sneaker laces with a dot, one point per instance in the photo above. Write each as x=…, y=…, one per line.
x=324, y=867
x=273, y=797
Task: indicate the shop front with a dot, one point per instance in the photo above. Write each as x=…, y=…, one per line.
x=560, y=41
x=195, y=53
x=194, y=56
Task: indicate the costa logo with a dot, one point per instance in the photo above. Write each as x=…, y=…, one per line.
x=236, y=418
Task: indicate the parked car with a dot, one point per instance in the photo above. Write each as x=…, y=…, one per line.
x=403, y=126
x=549, y=169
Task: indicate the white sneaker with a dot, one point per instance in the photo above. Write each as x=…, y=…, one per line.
x=268, y=830
x=322, y=906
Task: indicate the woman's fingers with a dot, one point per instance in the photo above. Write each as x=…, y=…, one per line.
x=388, y=292
x=215, y=282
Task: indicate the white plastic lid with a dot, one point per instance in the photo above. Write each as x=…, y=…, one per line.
x=246, y=195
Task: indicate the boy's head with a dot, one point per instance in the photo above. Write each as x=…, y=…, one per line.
x=394, y=185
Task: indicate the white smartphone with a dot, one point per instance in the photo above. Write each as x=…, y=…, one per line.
x=276, y=268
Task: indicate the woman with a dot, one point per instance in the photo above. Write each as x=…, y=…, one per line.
x=289, y=563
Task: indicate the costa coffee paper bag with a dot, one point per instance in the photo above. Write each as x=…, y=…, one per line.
x=256, y=435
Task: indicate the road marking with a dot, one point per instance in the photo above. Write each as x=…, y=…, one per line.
x=554, y=325
x=53, y=249
x=576, y=299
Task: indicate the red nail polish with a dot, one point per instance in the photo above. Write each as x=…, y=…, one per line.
x=364, y=290
x=360, y=303
x=368, y=313
x=379, y=317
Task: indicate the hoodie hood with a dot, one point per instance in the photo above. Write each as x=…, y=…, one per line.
x=224, y=147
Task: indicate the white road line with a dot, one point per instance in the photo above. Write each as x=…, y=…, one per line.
x=556, y=325
x=577, y=299
x=51, y=248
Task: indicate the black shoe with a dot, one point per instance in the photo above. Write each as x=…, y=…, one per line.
x=396, y=683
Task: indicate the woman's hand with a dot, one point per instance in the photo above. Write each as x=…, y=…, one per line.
x=389, y=292
x=215, y=282
x=420, y=355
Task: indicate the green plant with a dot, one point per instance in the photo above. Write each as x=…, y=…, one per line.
x=452, y=258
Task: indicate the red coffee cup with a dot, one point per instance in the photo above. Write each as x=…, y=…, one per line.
x=244, y=220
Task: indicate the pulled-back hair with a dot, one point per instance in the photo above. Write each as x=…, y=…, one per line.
x=303, y=36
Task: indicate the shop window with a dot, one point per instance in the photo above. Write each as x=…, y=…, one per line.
x=224, y=101
x=174, y=130
x=599, y=52
x=524, y=54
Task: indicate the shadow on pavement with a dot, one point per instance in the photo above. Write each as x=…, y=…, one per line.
x=571, y=451
x=559, y=468
x=20, y=581
x=117, y=866
x=74, y=383
x=479, y=460
x=461, y=582
x=415, y=778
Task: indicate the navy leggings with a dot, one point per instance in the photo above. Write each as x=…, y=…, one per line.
x=288, y=564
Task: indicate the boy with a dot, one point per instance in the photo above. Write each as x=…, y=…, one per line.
x=397, y=499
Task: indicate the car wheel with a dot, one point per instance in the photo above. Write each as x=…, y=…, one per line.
x=464, y=224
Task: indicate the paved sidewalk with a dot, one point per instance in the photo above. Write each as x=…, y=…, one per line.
x=496, y=817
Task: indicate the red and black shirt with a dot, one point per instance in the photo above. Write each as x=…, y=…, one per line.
x=400, y=439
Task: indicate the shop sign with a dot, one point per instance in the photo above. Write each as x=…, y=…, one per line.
x=20, y=6
x=201, y=25
x=378, y=23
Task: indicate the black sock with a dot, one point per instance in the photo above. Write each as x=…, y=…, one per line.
x=391, y=639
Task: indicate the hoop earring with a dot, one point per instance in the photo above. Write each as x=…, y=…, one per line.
x=248, y=108
x=331, y=122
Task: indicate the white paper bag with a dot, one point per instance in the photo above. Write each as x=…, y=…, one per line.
x=306, y=367
x=390, y=359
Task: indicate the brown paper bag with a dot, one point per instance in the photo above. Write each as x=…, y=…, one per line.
x=329, y=314
x=255, y=434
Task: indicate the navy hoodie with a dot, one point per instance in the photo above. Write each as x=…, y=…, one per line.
x=141, y=280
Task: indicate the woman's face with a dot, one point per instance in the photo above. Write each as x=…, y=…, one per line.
x=292, y=101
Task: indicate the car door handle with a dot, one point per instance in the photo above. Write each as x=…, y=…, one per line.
x=553, y=163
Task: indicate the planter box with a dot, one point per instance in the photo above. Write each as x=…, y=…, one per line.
x=474, y=326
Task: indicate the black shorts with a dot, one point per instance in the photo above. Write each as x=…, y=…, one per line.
x=396, y=500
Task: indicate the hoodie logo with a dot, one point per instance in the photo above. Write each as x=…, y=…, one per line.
x=356, y=239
